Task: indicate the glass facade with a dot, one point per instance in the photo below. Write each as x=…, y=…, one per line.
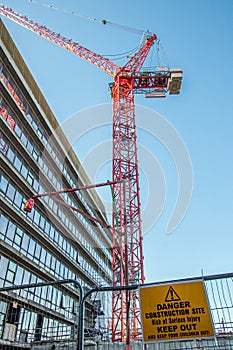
x=52, y=242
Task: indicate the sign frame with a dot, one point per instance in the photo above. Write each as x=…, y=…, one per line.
x=175, y=311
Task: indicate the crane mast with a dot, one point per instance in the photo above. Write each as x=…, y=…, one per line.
x=127, y=253
x=127, y=238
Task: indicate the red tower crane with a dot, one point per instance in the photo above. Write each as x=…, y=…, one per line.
x=127, y=255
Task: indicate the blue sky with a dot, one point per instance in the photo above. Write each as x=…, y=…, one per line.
x=196, y=36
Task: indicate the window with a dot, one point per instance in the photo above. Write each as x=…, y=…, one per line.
x=24, y=171
x=4, y=222
x=34, y=124
x=45, y=168
x=56, y=237
x=50, y=174
x=18, y=275
x=24, y=139
x=10, y=275
x=42, y=256
x=4, y=264
x=36, y=217
x=29, y=147
x=30, y=178
x=10, y=155
x=17, y=163
x=35, y=153
x=29, y=117
x=37, y=251
x=3, y=309
x=25, y=242
x=52, y=232
x=61, y=240
x=53, y=262
x=62, y=271
x=49, y=148
x=18, y=236
x=4, y=183
x=3, y=145
x=58, y=264
x=10, y=232
x=18, y=199
x=13, y=314
x=45, y=139
x=48, y=260
x=32, y=246
x=40, y=132
x=47, y=228
x=10, y=192
x=42, y=222
x=18, y=130
x=36, y=185
x=26, y=277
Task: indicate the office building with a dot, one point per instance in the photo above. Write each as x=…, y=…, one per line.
x=52, y=242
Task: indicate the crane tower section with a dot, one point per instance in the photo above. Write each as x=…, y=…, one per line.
x=127, y=253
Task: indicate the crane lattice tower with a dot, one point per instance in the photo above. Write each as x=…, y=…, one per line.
x=127, y=253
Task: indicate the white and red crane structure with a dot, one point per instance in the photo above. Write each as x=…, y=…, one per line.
x=127, y=252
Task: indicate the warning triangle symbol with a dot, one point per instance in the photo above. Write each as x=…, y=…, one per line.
x=172, y=295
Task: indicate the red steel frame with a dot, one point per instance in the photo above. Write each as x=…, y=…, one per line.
x=127, y=262
x=127, y=255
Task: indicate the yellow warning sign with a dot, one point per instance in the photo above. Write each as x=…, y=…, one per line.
x=175, y=312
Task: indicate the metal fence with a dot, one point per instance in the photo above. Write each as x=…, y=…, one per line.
x=25, y=326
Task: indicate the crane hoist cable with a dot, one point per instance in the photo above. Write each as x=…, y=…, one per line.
x=161, y=55
x=63, y=10
x=102, y=21
x=122, y=55
x=118, y=56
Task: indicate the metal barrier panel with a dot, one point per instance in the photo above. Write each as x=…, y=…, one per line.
x=219, y=289
x=26, y=325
